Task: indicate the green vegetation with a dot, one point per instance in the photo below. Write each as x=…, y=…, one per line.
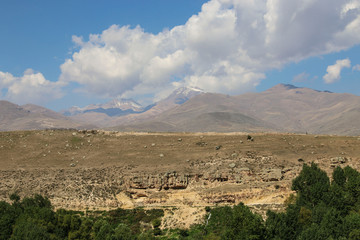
x=34, y=219
x=321, y=209
x=76, y=140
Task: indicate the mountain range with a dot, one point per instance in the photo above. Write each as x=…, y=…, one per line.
x=282, y=108
x=30, y=116
x=129, y=111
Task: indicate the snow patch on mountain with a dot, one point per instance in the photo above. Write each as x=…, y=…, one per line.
x=121, y=106
x=188, y=91
x=117, y=106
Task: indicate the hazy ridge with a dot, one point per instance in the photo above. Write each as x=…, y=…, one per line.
x=283, y=108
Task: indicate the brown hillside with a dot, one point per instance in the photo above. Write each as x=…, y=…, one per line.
x=283, y=108
x=15, y=117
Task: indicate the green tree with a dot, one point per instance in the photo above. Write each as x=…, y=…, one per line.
x=105, y=232
x=314, y=232
x=85, y=229
x=122, y=232
x=147, y=235
x=352, y=186
x=36, y=201
x=339, y=176
x=311, y=185
x=352, y=225
x=75, y=222
x=7, y=219
x=340, y=199
x=15, y=197
x=29, y=229
x=304, y=216
x=235, y=223
x=332, y=223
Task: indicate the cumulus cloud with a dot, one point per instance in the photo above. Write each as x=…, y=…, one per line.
x=356, y=67
x=227, y=47
x=32, y=87
x=334, y=71
x=6, y=79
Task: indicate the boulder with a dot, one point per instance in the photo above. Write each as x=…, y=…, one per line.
x=232, y=165
x=270, y=175
x=335, y=161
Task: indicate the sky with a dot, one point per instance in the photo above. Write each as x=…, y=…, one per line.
x=59, y=54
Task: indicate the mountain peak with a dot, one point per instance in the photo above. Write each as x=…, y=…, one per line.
x=181, y=95
x=122, y=103
x=116, y=106
x=187, y=90
x=282, y=87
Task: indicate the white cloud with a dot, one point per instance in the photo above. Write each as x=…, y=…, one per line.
x=356, y=67
x=351, y=5
x=302, y=77
x=334, y=71
x=227, y=47
x=32, y=87
x=6, y=79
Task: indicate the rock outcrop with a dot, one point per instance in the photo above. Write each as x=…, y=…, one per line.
x=168, y=180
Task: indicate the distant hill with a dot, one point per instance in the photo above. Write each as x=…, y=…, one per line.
x=283, y=108
x=304, y=110
x=130, y=111
x=175, y=99
x=27, y=117
x=208, y=112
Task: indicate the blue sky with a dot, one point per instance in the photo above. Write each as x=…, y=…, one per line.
x=145, y=49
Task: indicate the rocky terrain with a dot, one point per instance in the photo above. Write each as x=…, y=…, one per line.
x=181, y=172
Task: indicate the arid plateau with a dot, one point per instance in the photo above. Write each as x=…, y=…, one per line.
x=180, y=172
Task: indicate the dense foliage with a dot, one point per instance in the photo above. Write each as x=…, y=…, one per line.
x=34, y=219
x=321, y=209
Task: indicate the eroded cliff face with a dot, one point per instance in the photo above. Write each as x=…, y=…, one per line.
x=251, y=180
x=187, y=193
x=229, y=175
